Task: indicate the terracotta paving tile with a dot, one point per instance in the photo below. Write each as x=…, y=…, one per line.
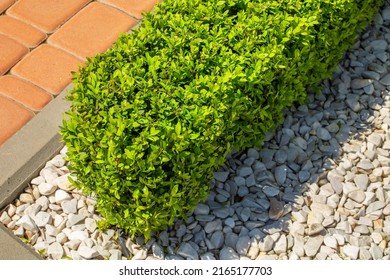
x=48, y=68
x=13, y=116
x=93, y=30
x=24, y=92
x=10, y=53
x=47, y=15
x=21, y=32
x=4, y=4
x=133, y=7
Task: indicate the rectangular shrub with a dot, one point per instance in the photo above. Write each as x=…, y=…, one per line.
x=154, y=116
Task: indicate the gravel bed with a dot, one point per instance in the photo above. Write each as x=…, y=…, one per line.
x=318, y=189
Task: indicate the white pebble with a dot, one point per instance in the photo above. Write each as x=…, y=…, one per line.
x=27, y=223
x=61, y=196
x=55, y=251
x=78, y=235
x=42, y=218
x=46, y=188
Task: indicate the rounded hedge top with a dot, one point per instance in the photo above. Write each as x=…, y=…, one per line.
x=154, y=116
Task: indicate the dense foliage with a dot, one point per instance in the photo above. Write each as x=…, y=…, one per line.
x=154, y=116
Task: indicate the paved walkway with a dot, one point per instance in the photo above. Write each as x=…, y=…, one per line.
x=41, y=42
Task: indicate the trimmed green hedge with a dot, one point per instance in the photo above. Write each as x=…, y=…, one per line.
x=154, y=116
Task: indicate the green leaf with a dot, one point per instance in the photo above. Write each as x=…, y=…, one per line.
x=178, y=128
x=130, y=154
x=154, y=131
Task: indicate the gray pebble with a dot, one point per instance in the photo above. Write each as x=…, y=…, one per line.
x=270, y=191
x=300, y=142
x=250, y=180
x=256, y=233
x=281, y=174
x=371, y=75
x=379, y=44
x=360, y=83
x=253, y=153
x=277, y=226
x=181, y=231
x=386, y=14
x=353, y=103
x=280, y=156
x=249, y=202
x=187, y=251
x=245, y=171
x=240, y=181
x=204, y=218
x=221, y=212
x=267, y=155
x=242, y=191
x=164, y=238
x=158, y=251
x=199, y=236
x=228, y=253
x=287, y=135
x=172, y=257
x=377, y=68
x=217, y=239
x=242, y=245
x=213, y=226
x=323, y=134
x=303, y=176
x=245, y=214
x=201, y=209
x=221, y=176
x=207, y=256
x=229, y=222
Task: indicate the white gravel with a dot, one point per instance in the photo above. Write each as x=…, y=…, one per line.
x=318, y=189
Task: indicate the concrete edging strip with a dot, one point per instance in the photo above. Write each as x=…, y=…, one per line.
x=12, y=248
x=23, y=156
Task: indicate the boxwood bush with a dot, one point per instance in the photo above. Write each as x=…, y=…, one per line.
x=155, y=115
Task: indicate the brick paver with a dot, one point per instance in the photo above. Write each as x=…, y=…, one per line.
x=48, y=68
x=21, y=32
x=13, y=116
x=93, y=30
x=24, y=92
x=43, y=41
x=4, y=4
x=47, y=15
x=10, y=53
x=133, y=7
